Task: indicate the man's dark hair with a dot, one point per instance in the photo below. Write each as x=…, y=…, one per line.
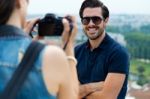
x=93, y=4
x=6, y=9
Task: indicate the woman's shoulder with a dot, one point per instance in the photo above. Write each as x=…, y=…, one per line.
x=55, y=55
x=52, y=50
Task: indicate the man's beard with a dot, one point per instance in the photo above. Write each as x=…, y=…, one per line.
x=97, y=34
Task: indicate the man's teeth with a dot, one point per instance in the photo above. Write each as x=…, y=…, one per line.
x=92, y=29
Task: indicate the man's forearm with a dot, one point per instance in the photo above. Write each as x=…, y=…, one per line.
x=98, y=95
x=111, y=87
x=87, y=89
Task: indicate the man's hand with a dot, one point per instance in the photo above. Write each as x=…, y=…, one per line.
x=86, y=89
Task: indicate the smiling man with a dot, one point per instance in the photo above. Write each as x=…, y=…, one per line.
x=103, y=64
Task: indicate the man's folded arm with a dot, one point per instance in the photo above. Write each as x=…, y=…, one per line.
x=111, y=87
x=86, y=89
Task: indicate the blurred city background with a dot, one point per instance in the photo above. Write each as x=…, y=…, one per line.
x=129, y=24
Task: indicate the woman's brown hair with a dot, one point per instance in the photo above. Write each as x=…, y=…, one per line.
x=6, y=9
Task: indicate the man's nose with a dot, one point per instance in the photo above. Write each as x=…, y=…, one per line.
x=91, y=22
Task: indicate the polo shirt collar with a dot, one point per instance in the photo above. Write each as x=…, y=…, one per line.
x=103, y=44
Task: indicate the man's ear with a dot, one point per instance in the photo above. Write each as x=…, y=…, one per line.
x=18, y=4
x=106, y=20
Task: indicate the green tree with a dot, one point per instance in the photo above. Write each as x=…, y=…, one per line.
x=142, y=78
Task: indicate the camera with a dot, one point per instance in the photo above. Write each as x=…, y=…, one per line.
x=51, y=25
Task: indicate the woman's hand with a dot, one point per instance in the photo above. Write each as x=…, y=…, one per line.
x=28, y=27
x=69, y=38
x=66, y=36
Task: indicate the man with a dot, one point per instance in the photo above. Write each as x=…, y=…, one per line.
x=103, y=64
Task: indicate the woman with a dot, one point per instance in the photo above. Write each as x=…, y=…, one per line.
x=54, y=74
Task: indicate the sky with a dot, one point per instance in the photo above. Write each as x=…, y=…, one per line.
x=73, y=6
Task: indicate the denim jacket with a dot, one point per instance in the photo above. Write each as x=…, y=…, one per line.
x=12, y=49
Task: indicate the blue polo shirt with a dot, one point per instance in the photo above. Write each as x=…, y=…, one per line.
x=108, y=57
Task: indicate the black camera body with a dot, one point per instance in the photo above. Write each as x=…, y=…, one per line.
x=51, y=25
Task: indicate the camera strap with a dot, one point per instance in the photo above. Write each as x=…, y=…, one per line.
x=21, y=73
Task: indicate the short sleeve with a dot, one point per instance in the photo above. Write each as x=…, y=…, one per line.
x=119, y=61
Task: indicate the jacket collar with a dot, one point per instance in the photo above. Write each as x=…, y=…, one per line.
x=9, y=30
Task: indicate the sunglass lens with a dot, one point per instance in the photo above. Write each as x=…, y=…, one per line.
x=96, y=20
x=86, y=20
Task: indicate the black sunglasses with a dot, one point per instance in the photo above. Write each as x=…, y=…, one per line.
x=95, y=19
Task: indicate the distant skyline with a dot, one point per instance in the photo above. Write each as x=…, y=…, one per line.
x=73, y=6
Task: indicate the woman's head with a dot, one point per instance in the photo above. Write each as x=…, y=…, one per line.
x=13, y=7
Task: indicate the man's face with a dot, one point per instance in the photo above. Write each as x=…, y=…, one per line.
x=93, y=22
